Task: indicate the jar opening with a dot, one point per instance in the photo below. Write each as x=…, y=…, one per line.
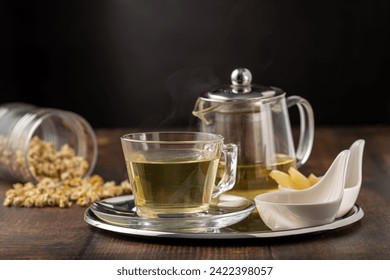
x=57, y=127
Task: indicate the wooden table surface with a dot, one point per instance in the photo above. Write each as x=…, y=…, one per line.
x=54, y=233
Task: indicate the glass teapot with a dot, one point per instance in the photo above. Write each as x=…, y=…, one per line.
x=256, y=119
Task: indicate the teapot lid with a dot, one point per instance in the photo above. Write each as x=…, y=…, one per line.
x=242, y=88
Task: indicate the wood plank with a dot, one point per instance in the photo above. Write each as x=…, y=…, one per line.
x=53, y=233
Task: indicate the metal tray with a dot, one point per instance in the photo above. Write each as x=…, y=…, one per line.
x=250, y=227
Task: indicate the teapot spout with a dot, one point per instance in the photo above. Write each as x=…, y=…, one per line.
x=202, y=108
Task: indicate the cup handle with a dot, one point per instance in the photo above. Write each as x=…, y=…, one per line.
x=229, y=176
x=306, y=136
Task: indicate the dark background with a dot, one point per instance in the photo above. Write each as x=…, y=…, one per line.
x=143, y=63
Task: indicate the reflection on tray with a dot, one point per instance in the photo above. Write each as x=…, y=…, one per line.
x=252, y=223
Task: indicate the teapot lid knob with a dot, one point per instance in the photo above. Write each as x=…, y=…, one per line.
x=241, y=77
x=241, y=88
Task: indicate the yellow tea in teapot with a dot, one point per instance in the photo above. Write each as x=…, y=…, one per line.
x=254, y=179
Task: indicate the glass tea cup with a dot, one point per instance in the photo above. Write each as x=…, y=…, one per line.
x=173, y=173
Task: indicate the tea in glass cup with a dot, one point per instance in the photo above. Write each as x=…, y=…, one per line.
x=173, y=173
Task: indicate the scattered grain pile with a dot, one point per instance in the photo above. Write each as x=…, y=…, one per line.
x=60, y=180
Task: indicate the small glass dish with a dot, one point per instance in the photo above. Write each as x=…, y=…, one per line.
x=224, y=211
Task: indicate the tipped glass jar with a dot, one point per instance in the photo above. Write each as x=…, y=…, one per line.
x=20, y=123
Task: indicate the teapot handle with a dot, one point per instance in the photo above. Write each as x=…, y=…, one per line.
x=306, y=136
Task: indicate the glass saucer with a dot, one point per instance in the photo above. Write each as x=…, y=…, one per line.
x=224, y=211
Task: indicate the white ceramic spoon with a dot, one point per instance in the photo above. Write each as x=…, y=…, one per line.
x=353, y=180
x=314, y=206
